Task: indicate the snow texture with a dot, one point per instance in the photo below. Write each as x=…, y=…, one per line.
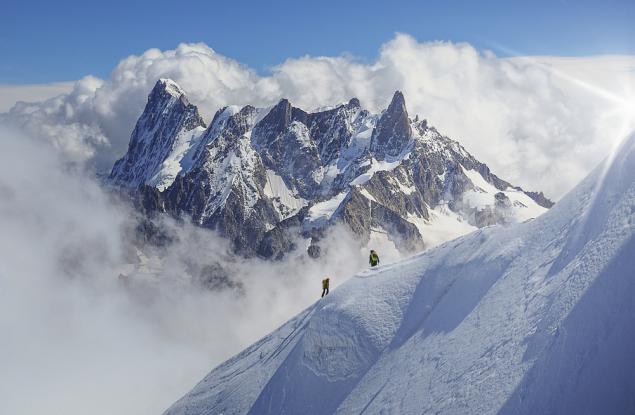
x=484, y=193
x=377, y=166
x=322, y=212
x=287, y=201
x=530, y=318
x=443, y=225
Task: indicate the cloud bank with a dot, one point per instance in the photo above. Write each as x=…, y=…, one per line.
x=533, y=126
x=11, y=94
x=90, y=325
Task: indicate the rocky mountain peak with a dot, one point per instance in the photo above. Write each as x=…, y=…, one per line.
x=392, y=132
x=168, y=120
x=398, y=103
x=354, y=102
x=242, y=121
x=167, y=86
x=168, y=99
x=273, y=124
x=276, y=123
x=280, y=115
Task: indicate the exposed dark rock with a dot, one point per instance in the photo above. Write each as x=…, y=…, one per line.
x=541, y=199
x=333, y=129
x=393, y=132
x=215, y=278
x=314, y=250
x=502, y=201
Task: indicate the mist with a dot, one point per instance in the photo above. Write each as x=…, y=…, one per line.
x=93, y=322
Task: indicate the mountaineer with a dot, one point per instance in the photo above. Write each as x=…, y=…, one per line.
x=373, y=258
x=325, y=287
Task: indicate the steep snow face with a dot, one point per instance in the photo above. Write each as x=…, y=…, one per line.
x=322, y=212
x=231, y=164
x=178, y=160
x=286, y=200
x=166, y=131
x=531, y=318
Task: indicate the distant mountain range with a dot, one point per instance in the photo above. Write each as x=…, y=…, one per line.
x=275, y=179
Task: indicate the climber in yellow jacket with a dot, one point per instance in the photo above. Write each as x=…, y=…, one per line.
x=373, y=258
x=325, y=287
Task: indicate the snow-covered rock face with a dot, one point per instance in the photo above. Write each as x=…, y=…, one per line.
x=261, y=176
x=534, y=318
x=283, y=141
x=333, y=129
x=166, y=131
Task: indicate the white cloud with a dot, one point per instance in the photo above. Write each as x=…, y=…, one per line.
x=533, y=126
x=78, y=339
x=12, y=94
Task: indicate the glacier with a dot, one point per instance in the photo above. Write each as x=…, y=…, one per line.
x=530, y=318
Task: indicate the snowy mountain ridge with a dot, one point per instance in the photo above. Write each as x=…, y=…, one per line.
x=269, y=177
x=526, y=319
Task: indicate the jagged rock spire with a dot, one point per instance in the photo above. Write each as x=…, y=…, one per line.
x=354, y=102
x=393, y=131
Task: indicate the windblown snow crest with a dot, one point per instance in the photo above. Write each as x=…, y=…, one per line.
x=267, y=178
x=531, y=318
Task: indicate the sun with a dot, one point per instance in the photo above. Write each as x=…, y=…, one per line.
x=623, y=111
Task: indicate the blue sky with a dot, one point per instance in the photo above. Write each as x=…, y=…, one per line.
x=64, y=40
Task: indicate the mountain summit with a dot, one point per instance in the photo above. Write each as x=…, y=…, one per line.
x=393, y=131
x=270, y=179
x=534, y=318
x=161, y=138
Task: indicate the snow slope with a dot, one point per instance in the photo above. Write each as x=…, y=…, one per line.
x=530, y=318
